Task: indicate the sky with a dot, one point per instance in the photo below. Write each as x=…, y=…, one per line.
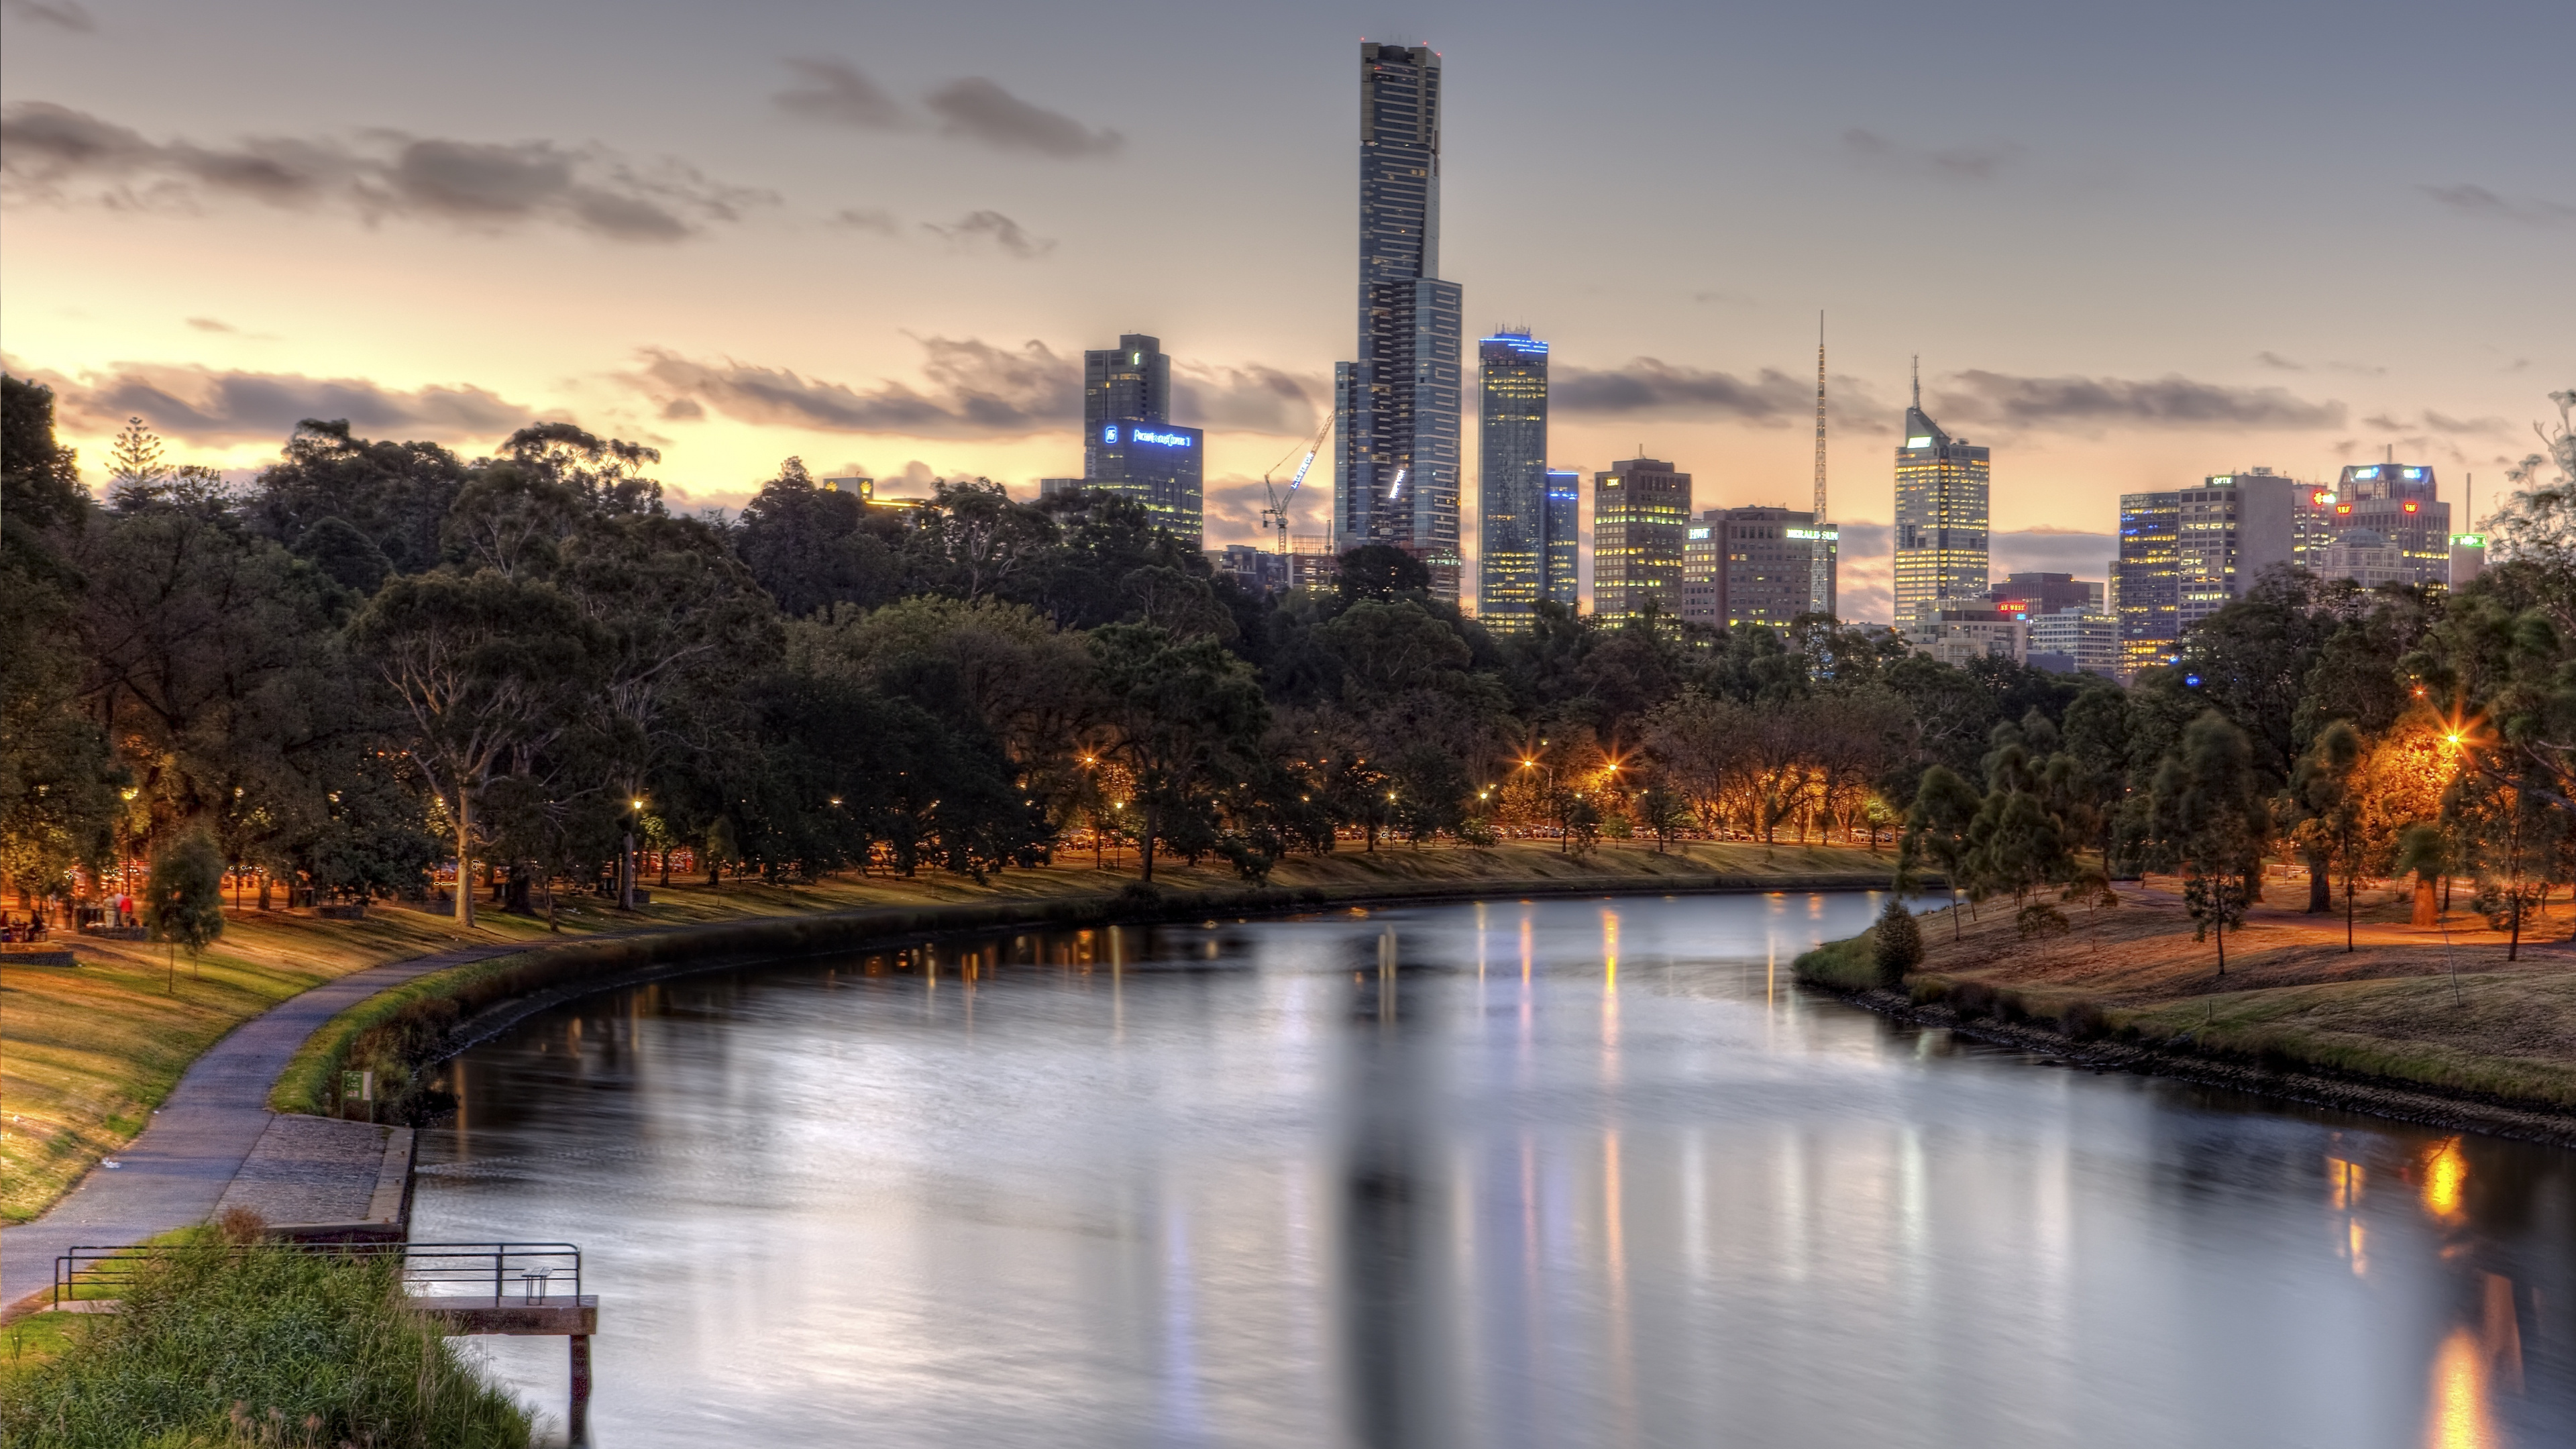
x=2132, y=245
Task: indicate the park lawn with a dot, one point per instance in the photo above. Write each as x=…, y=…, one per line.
x=87, y=1053
x=2293, y=995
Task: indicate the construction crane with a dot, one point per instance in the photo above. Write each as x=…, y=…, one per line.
x=1276, y=515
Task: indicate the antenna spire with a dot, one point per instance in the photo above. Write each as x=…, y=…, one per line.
x=1918, y=382
x=1817, y=600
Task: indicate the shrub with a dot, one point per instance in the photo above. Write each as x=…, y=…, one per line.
x=2082, y=1021
x=1898, y=944
x=2041, y=919
x=1929, y=990
x=248, y=1345
x=1972, y=999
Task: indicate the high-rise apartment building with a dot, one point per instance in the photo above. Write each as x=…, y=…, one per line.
x=2146, y=579
x=1561, y=551
x=1130, y=446
x=1941, y=514
x=1756, y=566
x=1640, y=522
x=1396, y=405
x=1511, y=478
x=2398, y=502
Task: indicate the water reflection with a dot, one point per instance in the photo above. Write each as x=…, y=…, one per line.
x=1353, y=1180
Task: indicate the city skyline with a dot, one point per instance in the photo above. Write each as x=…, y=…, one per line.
x=780, y=245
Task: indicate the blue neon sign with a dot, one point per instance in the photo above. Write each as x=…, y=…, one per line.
x=1109, y=434
x=1168, y=440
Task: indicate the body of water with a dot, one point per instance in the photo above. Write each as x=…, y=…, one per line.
x=1555, y=1173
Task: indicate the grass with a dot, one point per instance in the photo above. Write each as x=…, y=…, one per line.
x=263, y=1345
x=87, y=1053
x=2293, y=996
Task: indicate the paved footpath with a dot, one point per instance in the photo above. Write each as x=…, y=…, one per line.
x=174, y=1173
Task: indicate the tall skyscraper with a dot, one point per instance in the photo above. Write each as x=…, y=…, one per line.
x=1561, y=549
x=1395, y=469
x=2397, y=501
x=2146, y=579
x=1640, y=526
x=1130, y=446
x=1511, y=478
x=1756, y=566
x=1941, y=517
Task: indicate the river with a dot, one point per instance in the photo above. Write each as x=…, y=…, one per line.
x=1554, y=1173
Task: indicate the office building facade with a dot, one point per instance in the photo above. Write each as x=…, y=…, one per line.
x=2146, y=579
x=1396, y=405
x=1561, y=551
x=1941, y=515
x=1640, y=525
x=1511, y=479
x=1130, y=446
x=1743, y=566
x=2399, y=503
x=2077, y=640
x=2230, y=531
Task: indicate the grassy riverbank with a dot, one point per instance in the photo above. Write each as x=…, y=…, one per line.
x=87, y=1053
x=261, y=1345
x=2409, y=1006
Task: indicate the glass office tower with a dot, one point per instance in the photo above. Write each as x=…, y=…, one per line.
x=2397, y=501
x=1562, y=546
x=1640, y=537
x=1511, y=478
x=1396, y=406
x=1941, y=488
x=1130, y=447
x=2146, y=579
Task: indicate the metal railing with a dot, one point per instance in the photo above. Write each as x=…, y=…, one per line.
x=525, y=1272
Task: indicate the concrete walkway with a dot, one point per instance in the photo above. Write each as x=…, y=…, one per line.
x=173, y=1174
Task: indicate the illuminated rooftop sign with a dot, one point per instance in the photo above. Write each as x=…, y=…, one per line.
x=2468, y=540
x=1924, y=441
x=2365, y=473
x=1148, y=435
x=1828, y=535
x=1109, y=434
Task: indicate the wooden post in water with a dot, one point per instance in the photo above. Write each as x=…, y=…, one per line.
x=578, y=1431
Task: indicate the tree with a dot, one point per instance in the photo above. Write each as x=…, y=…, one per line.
x=1187, y=718
x=57, y=780
x=2328, y=833
x=397, y=495
x=478, y=665
x=1383, y=572
x=2207, y=810
x=1897, y=946
x=184, y=898
x=1938, y=828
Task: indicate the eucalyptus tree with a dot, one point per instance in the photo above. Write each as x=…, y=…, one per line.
x=478, y=665
x=2208, y=824
x=1187, y=718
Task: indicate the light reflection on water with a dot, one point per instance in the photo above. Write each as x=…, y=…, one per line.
x=1562, y=1173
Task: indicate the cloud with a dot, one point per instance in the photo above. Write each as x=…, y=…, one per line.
x=212, y=324
x=994, y=227
x=213, y=407
x=1865, y=571
x=1650, y=387
x=49, y=152
x=61, y=14
x=835, y=93
x=2276, y=360
x=2051, y=550
x=1252, y=399
x=2469, y=199
x=1970, y=164
x=975, y=390
x=2171, y=401
x=976, y=109
x=867, y=218
x=2430, y=422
